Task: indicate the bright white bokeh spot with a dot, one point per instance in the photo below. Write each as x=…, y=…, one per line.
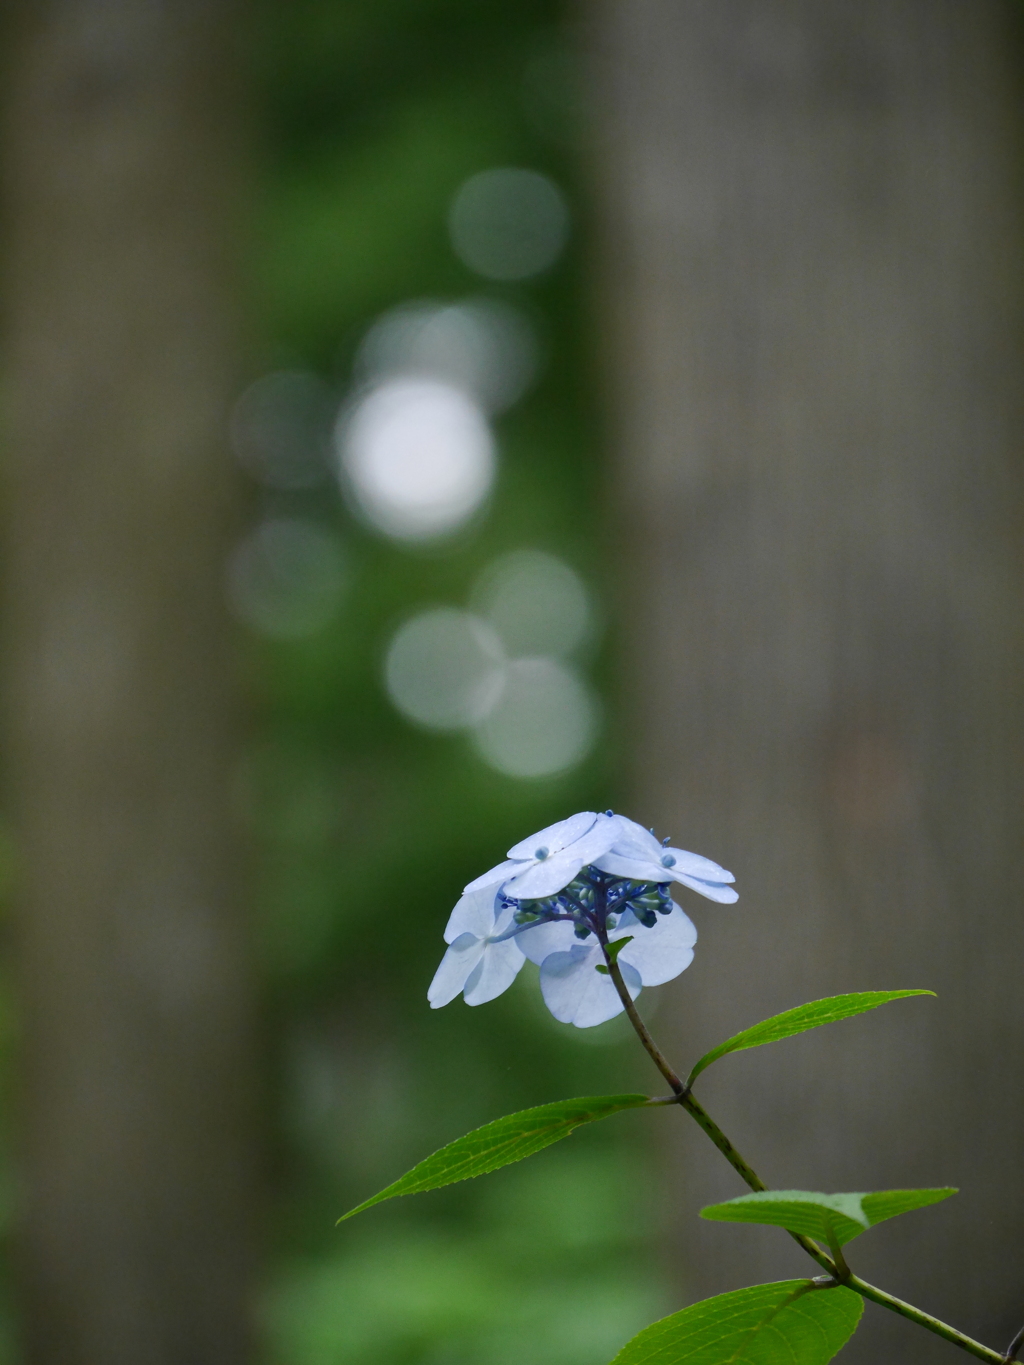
x=417, y=456
x=286, y=578
x=509, y=223
x=484, y=346
x=445, y=669
x=536, y=603
x=544, y=721
x=281, y=429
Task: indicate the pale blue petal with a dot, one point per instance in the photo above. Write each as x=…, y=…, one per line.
x=632, y=833
x=503, y=921
x=696, y=866
x=576, y=993
x=474, y=914
x=554, y=837
x=496, y=876
x=635, y=867
x=473, y=978
x=715, y=891
x=661, y=952
x=597, y=840
x=646, y=863
x=498, y=968
x=456, y=967
x=544, y=939
x=545, y=878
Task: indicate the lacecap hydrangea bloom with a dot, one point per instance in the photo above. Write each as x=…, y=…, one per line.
x=560, y=896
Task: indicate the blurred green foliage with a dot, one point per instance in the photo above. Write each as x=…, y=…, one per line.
x=365, y=828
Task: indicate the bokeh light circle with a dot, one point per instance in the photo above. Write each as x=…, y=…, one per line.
x=444, y=669
x=509, y=223
x=485, y=346
x=536, y=602
x=286, y=578
x=281, y=429
x=543, y=723
x=417, y=456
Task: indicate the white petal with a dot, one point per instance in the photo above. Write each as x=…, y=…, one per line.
x=576, y=993
x=496, y=876
x=661, y=952
x=474, y=914
x=544, y=939
x=715, y=891
x=499, y=967
x=554, y=837
x=456, y=967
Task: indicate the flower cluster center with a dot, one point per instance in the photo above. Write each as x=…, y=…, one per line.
x=595, y=903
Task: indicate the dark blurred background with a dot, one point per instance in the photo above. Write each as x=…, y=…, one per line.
x=424, y=420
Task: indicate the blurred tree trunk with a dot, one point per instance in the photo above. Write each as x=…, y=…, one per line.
x=815, y=237
x=122, y=343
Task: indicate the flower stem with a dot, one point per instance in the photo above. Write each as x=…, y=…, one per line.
x=653, y=1051
x=840, y=1273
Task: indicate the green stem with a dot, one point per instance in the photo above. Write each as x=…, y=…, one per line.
x=697, y=1111
x=747, y=1173
x=941, y=1329
x=653, y=1051
x=841, y=1272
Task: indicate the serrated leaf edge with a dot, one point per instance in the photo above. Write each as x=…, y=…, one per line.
x=391, y=1192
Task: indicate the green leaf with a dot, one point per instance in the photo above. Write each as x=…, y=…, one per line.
x=828, y=1217
x=617, y=945
x=792, y=1322
x=614, y=949
x=812, y=1015
x=500, y=1143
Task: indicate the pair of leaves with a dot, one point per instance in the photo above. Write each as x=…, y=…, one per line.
x=520, y=1135
x=776, y=1324
x=830, y=1218
x=768, y=1324
x=613, y=950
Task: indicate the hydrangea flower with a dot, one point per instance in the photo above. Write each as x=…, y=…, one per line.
x=560, y=899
